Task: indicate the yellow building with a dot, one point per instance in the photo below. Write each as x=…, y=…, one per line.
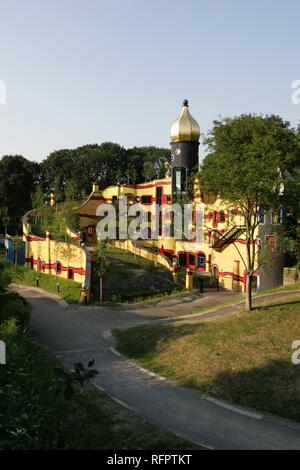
x=220, y=255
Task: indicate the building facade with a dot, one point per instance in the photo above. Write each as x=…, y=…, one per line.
x=222, y=252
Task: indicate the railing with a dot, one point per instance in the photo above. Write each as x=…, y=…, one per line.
x=228, y=237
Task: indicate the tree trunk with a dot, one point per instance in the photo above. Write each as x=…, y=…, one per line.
x=249, y=292
x=101, y=290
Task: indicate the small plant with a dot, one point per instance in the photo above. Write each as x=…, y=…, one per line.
x=101, y=264
x=67, y=382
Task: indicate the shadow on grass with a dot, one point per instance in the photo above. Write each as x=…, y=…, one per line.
x=138, y=346
x=272, y=305
x=273, y=388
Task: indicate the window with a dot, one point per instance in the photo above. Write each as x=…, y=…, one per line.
x=192, y=259
x=39, y=265
x=159, y=192
x=222, y=216
x=70, y=273
x=58, y=268
x=201, y=260
x=271, y=242
x=261, y=217
x=182, y=259
x=179, y=179
x=215, y=219
x=277, y=216
x=146, y=199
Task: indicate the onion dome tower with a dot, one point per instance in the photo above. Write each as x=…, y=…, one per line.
x=185, y=134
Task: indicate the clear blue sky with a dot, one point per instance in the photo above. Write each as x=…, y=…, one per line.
x=86, y=71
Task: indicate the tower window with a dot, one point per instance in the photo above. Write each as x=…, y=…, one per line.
x=179, y=179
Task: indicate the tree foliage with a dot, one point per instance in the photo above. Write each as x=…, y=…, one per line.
x=248, y=158
x=16, y=186
x=70, y=174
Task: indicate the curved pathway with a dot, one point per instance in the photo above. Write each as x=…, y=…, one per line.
x=75, y=334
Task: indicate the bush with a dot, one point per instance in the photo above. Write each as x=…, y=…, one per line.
x=5, y=274
x=14, y=308
x=8, y=328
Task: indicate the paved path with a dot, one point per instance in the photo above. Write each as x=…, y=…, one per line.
x=80, y=333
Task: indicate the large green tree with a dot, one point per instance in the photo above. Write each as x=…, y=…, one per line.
x=107, y=164
x=247, y=159
x=17, y=183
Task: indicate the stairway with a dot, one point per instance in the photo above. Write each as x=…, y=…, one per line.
x=227, y=238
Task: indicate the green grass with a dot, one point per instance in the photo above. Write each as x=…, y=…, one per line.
x=70, y=291
x=243, y=358
x=34, y=416
x=132, y=278
x=289, y=287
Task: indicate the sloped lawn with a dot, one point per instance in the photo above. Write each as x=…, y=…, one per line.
x=244, y=358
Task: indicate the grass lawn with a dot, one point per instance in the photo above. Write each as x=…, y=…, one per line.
x=243, y=358
x=283, y=288
x=133, y=278
x=70, y=291
x=34, y=416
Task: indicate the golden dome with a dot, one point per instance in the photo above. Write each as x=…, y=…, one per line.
x=185, y=128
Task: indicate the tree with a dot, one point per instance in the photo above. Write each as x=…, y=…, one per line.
x=101, y=264
x=17, y=183
x=37, y=201
x=5, y=218
x=292, y=216
x=18, y=242
x=246, y=163
x=148, y=171
x=71, y=190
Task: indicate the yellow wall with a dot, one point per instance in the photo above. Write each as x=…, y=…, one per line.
x=48, y=252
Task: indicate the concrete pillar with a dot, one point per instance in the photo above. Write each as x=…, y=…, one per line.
x=236, y=273
x=83, y=296
x=48, y=260
x=189, y=279
x=175, y=273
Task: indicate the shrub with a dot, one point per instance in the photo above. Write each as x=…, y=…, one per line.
x=9, y=327
x=14, y=307
x=5, y=274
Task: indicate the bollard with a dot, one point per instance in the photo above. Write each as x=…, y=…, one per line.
x=57, y=287
x=218, y=286
x=189, y=279
x=83, y=297
x=174, y=273
x=37, y=282
x=201, y=284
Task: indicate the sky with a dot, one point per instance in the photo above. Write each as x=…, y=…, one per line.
x=90, y=71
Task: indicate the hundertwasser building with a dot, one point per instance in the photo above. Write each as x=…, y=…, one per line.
x=219, y=255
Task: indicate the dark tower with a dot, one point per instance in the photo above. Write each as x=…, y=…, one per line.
x=185, y=133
